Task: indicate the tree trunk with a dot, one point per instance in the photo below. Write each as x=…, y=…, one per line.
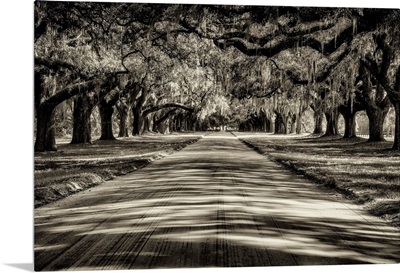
x=280, y=124
x=106, y=111
x=332, y=119
x=349, y=125
x=123, y=125
x=318, y=118
x=177, y=123
x=376, y=118
x=123, y=119
x=159, y=123
x=298, y=123
x=396, y=144
x=138, y=114
x=163, y=127
x=155, y=125
x=377, y=105
x=263, y=120
x=146, y=124
x=293, y=121
x=82, y=131
x=137, y=121
x=45, y=133
x=267, y=125
x=172, y=125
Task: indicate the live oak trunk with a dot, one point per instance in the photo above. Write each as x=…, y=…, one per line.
x=349, y=115
x=318, y=119
x=146, y=124
x=349, y=109
x=171, y=125
x=377, y=105
x=123, y=124
x=293, y=121
x=396, y=103
x=106, y=111
x=267, y=126
x=137, y=112
x=83, y=106
x=280, y=124
x=161, y=124
x=376, y=118
x=396, y=144
x=163, y=127
x=349, y=125
x=155, y=125
x=298, y=123
x=137, y=121
x=45, y=133
x=332, y=119
x=122, y=110
x=299, y=119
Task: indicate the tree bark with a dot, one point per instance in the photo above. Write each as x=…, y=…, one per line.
x=146, y=124
x=377, y=105
x=352, y=104
x=155, y=125
x=123, y=125
x=396, y=103
x=396, y=144
x=332, y=118
x=83, y=106
x=293, y=121
x=265, y=121
x=349, y=125
x=159, y=123
x=299, y=121
x=106, y=111
x=318, y=118
x=137, y=121
x=376, y=118
x=280, y=124
x=137, y=111
x=123, y=109
x=45, y=133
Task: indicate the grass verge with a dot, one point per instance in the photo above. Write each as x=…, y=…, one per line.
x=76, y=167
x=366, y=173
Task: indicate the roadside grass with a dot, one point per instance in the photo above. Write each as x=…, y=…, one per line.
x=76, y=167
x=366, y=173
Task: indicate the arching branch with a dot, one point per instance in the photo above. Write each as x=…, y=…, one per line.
x=166, y=116
x=167, y=105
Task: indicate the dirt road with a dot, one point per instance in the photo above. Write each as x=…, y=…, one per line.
x=215, y=203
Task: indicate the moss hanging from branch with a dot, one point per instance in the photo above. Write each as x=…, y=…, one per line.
x=354, y=21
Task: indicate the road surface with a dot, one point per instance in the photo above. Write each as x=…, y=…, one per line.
x=216, y=203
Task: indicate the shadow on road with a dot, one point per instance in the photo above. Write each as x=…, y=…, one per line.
x=214, y=204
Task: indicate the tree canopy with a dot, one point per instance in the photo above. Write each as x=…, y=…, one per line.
x=175, y=62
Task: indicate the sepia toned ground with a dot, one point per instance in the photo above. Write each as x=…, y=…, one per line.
x=215, y=203
x=77, y=167
x=368, y=173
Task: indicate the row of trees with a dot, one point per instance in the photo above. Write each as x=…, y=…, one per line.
x=188, y=67
x=127, y=58
x=334, y=61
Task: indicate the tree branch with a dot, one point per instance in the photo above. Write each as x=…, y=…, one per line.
x=167, y=105
x=55, y=65
x=69, y=92
x=166, y=115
